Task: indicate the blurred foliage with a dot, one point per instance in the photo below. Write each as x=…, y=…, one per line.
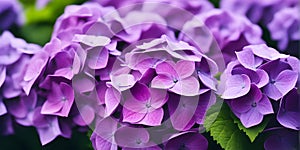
x=47, y=14
x=26, y=138
x=216, y=3
x=39, y=22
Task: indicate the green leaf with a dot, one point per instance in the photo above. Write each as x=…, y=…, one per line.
x=252, y=132
x=212, y=113
x=226, y=132
x=47, y=14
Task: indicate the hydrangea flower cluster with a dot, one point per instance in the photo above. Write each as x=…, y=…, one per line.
x=230, y=33
x=256, y=10
x=284, y=28
x=281, y=17
x=259, y=74
x=87, y=61
x=14, y=57
x=10, y=14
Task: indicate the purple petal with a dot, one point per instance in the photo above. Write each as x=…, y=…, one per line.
x=50, y=133
x=132, y=116
x=17, y=108
x=64, y=72
x=181, y=115
x=106, y=128
x=264, y=106
x=140, y=92
x=272, y=92
x=263, y=76
x=86, y=116
x=236, y=86
x=185, y=68
x=83, y=83
x=286, y=81
x=123, y=82
x=2, y=108
x=246, y=58
x=167, y=68
x=282, y=139
x=207, y=80
x=98, y=58
x=147, y=76
x=266, y=52
x=188, y=87
x=289, y=111
x=192, y=141
x=251, y=118
x=153, y=118
x=52, y=107
x=131, y=137
x=275, y=67
x=162, y=82
x=37, y=64
x=112, y=100
x=158, y=98
x=91, y=40
x=2, y=75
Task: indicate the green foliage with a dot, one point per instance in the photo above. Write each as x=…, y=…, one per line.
x=252, y=132
x=229, y=134
x=216, y=3
x=47, y=14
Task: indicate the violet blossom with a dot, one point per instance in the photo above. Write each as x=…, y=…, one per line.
x=258, y=73
x=187, y=140
x=11, y=14
x=284, y=28
x=100, y=66
x=281, y=138
x=15, y=56
x=257, y=10
x=289, y=110
x=221, y=33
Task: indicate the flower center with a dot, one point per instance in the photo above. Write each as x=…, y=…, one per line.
x=138, y=141
x=272, y=82
x=182, y=147
x=63, y=98
x=148, y=105
x=254, y=104
x=175, y=80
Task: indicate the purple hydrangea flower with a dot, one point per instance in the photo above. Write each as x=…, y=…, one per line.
x=187, y=140
x=3, y=109
x=106, y=61
x=177, y=78
x=59, y=100
x=258, y=73
x=103, y=137
x=282, y=139
x=289, y=110
x=143, y=105
x=252, y=107
x=11, y=14
x=230, y=33
x=284, y=28
x=49, y=127
x=257, y=10
x=134, y=138
x=15, y=55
